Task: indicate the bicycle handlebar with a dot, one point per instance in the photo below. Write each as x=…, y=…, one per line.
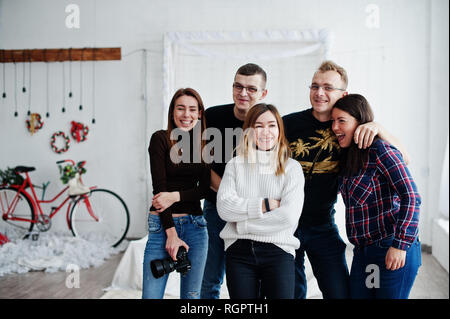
x=66, y=160
x=70, y=161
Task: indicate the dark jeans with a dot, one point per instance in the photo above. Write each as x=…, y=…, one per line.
x=326, y=253
x=215, y=261
x=255, y=269
x=369, y=278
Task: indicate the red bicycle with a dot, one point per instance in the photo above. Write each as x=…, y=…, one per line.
x=99, y=214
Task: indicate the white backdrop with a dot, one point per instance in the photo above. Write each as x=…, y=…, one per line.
x=216, y=60
x=398, y=61
x=215, y=56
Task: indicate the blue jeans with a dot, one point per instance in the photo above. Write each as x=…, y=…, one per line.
x=215, y=262
x=190, y=229
x=326, y=253
x=255, y=269
x=369, y=278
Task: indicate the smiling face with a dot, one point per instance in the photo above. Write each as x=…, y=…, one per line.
x=186, y=112
x=248, y=90
x=344, y=126
x=323, y=100
x=266, y=131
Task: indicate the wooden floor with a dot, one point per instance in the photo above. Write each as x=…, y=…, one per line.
x=432, y=282
x=42, y=285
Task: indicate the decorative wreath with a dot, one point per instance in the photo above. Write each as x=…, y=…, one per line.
x=35, y=122
x=79, y=131
x=53, y=140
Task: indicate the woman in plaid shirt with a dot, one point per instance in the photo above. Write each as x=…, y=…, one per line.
x=382, y=208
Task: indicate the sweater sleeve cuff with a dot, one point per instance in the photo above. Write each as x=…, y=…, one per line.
x=241, y=227
x=255, y=208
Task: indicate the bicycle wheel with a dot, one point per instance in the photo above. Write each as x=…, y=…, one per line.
x=100, y=216
x=16, y=213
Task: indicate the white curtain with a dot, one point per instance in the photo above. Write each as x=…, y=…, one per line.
x=207, y=62
x=444, y=197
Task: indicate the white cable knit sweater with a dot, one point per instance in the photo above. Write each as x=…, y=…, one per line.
x=240, y=197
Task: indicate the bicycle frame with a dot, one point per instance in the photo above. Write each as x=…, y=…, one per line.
x=37, y=203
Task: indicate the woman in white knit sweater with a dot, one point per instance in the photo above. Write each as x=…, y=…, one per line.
x=261, y=198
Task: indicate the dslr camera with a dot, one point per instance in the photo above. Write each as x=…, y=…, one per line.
x=160, y=267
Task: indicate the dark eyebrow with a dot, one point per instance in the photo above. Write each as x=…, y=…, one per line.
x=181, y=104
x=250, y=86
x=270, y=122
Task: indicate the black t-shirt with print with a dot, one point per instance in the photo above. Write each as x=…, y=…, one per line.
x=315, y=147
x=223, y=119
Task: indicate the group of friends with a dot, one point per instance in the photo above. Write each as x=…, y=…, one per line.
x=269, y=194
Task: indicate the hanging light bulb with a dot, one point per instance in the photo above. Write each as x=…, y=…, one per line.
x=47, y=114
x=24, y=89
x=93, y=86
x=63, y=88
x=70, y=73
x=4, y=77
x=23, y=73
x=81, y=80
x=29, y=84
x=15, y=90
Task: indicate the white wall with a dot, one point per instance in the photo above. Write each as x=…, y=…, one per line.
x=395, y=65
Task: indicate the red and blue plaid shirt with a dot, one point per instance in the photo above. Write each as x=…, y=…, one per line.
x=382, y=200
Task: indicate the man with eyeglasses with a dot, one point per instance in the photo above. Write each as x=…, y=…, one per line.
x=249, y=88
x=315, y=146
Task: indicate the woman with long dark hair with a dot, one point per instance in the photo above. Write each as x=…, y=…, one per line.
x=180, y=180
x=260, y=197
x=382, y=208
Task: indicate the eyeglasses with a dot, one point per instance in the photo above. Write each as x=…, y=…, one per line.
x=327, y=88
x=239, y=88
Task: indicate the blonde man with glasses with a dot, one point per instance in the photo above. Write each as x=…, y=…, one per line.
x=315, y=146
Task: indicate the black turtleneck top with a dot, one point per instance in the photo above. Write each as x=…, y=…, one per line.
x=189, y=177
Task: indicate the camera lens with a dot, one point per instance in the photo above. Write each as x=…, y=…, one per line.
x=157, y=268
x=161, y=267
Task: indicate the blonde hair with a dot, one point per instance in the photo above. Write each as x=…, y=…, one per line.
x=331, y=66
x=247, y=148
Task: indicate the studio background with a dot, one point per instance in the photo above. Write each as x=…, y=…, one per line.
x=395, y=53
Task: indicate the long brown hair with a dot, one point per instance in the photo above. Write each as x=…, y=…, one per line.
x=171, y=123
x=281, y=150
x=353, y=158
